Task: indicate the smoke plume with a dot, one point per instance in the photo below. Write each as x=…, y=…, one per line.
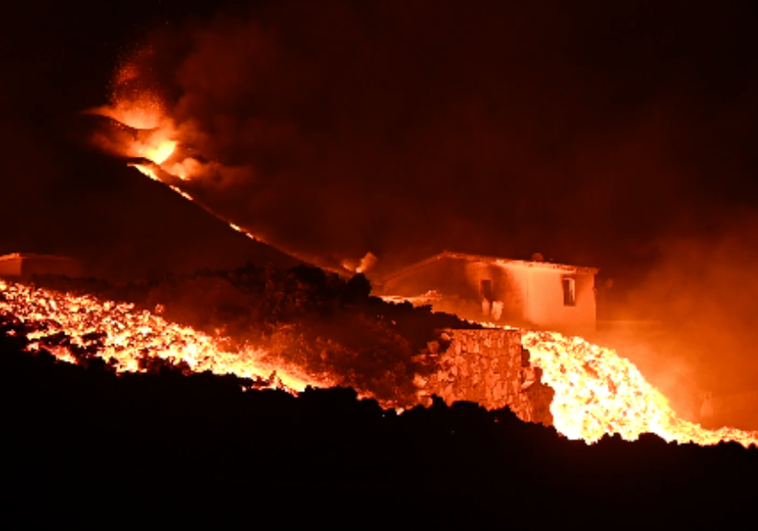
x=703, y=290
x=402, y=128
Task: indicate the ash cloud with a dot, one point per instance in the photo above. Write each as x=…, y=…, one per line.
x=402, y=128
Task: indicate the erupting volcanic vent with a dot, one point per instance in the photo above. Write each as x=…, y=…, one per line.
x=596, y=393
x=174, y=152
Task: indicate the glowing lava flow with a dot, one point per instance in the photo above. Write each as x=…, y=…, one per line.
x=598, y=393
x=127, y=335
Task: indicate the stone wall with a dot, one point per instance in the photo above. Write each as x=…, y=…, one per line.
x=491, y=368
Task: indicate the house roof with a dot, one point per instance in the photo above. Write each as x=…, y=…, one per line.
x=21, y=256
x=489, y=259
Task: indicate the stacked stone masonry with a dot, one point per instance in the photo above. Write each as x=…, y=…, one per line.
x=491, y=368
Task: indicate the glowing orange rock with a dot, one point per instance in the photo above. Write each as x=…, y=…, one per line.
x=598, y=393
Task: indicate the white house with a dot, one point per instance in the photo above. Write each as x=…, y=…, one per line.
x=529, y=294
x=24, y=265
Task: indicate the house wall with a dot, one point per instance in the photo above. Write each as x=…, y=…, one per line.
x=459, y=283
x=10, y=268
x=444, y=276
x=50, y=266
x=522, y=295
x=545, y=307
x=507, y=302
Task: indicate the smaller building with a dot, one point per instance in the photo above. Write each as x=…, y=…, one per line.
x=528, y=294
x=24, y=265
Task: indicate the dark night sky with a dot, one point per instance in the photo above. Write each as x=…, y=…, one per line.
x=615, y=135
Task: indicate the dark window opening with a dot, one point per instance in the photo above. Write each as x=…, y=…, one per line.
x=569, y=291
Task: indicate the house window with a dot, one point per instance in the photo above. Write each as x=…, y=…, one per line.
x=485, y=289
x=569, y=291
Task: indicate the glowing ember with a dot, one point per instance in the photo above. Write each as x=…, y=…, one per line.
x=599, y=393
x=127, y=335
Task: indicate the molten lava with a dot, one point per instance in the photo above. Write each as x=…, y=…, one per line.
x=597, y=393
x=126, y=336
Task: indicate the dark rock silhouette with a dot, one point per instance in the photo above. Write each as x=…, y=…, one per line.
x=167, y=435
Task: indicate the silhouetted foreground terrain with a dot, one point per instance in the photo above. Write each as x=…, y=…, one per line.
x=89, y=436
